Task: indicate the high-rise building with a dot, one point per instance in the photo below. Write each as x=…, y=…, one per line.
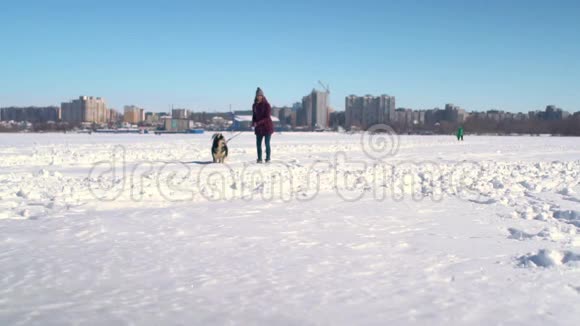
x=296, y=106
x=336, y=119
x=454, y=113
x=30, y=114
x=314, y=110
x=85, y=109
x=304, y=115
x=113, y=115
x=180, y=114
x=133, y=114
x=285, y=115
x=419, y=117
x=553, y=113
x=353, y=109
x=320, y=107
x=151, y=117
x=366, y=111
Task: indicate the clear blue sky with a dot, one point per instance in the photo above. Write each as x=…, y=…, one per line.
x=205, y=55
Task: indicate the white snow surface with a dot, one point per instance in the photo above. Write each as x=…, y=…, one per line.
x=339, y=229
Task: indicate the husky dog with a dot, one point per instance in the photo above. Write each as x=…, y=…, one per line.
x=219, y=148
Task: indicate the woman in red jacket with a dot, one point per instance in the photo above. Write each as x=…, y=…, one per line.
x=262, y=123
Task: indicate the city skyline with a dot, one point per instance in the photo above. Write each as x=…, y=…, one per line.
x=515, y=56
x=301, y=102
x=312, y=113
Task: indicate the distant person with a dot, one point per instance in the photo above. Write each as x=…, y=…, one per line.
x=460, y=134
x=262, y=123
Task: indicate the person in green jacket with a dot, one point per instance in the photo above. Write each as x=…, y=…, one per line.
x=460, y=133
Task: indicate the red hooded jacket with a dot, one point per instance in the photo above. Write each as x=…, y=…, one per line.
x=261, y=118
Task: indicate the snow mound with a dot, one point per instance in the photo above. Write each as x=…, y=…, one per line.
x=567, y=191
x=549, y=258
x=568, y=216
x=520, y=235
x=549, y=233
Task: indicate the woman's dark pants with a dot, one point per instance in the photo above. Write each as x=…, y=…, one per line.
x=259, y=146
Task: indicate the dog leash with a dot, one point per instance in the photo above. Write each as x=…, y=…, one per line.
x=234, y=136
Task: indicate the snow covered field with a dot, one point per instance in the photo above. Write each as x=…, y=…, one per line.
x=338, y=229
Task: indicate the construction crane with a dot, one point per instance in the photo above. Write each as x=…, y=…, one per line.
x=325, y=87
